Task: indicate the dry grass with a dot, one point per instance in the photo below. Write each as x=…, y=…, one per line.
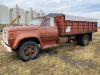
x=69, y=59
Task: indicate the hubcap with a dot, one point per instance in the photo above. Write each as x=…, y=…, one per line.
x=29, y=51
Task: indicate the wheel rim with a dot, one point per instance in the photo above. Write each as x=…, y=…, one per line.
x=86, y=40
x=30, y=51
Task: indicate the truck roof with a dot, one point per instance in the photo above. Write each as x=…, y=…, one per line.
x=55, y=14
x=73, y=18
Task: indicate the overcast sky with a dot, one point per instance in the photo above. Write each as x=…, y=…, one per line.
x=84, y=8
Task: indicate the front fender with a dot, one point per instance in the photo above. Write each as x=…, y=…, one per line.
x=24, y=36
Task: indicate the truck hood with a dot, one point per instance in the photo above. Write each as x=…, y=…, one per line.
x=20, y=28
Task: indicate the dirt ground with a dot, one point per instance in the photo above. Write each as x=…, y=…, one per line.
x=68, y=59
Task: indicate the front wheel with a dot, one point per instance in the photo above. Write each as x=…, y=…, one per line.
x=28, y=51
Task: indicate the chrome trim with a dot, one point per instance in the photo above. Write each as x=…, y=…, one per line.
x=6, y=47
x=5, y=36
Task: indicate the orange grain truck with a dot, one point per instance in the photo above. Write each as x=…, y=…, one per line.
x=47, y=32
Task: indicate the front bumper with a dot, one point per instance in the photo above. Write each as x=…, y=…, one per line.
x=5, y=46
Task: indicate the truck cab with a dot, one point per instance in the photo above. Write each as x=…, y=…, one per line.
x=41, y=33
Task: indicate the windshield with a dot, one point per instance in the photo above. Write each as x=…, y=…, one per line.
x=36, y=22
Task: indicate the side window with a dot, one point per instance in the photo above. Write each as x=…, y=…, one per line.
x=52, y=22
x=46, y=22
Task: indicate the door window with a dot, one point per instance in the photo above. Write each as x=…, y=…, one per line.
x=49, y=22
x=52, y=22
x=46, y=22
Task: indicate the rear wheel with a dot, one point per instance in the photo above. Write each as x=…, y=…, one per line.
x=83, y=40
x=79, y=40
x=28, y=51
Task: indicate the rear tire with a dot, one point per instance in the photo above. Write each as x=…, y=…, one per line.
x=79, y=40
x=28, y=51
x=83, y=40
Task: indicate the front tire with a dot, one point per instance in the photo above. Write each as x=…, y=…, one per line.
x=28, y=51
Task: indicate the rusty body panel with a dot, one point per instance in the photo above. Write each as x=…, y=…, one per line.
x=20, y=33
x=45, y=35
x=49, y=36
x=76, y=27
x=80, y=27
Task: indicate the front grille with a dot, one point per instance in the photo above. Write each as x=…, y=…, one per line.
x=4, y=36
x=4, y=31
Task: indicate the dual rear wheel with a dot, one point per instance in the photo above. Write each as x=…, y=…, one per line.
x=83, y=40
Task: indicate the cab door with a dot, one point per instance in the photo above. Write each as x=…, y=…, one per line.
x=49, y=31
